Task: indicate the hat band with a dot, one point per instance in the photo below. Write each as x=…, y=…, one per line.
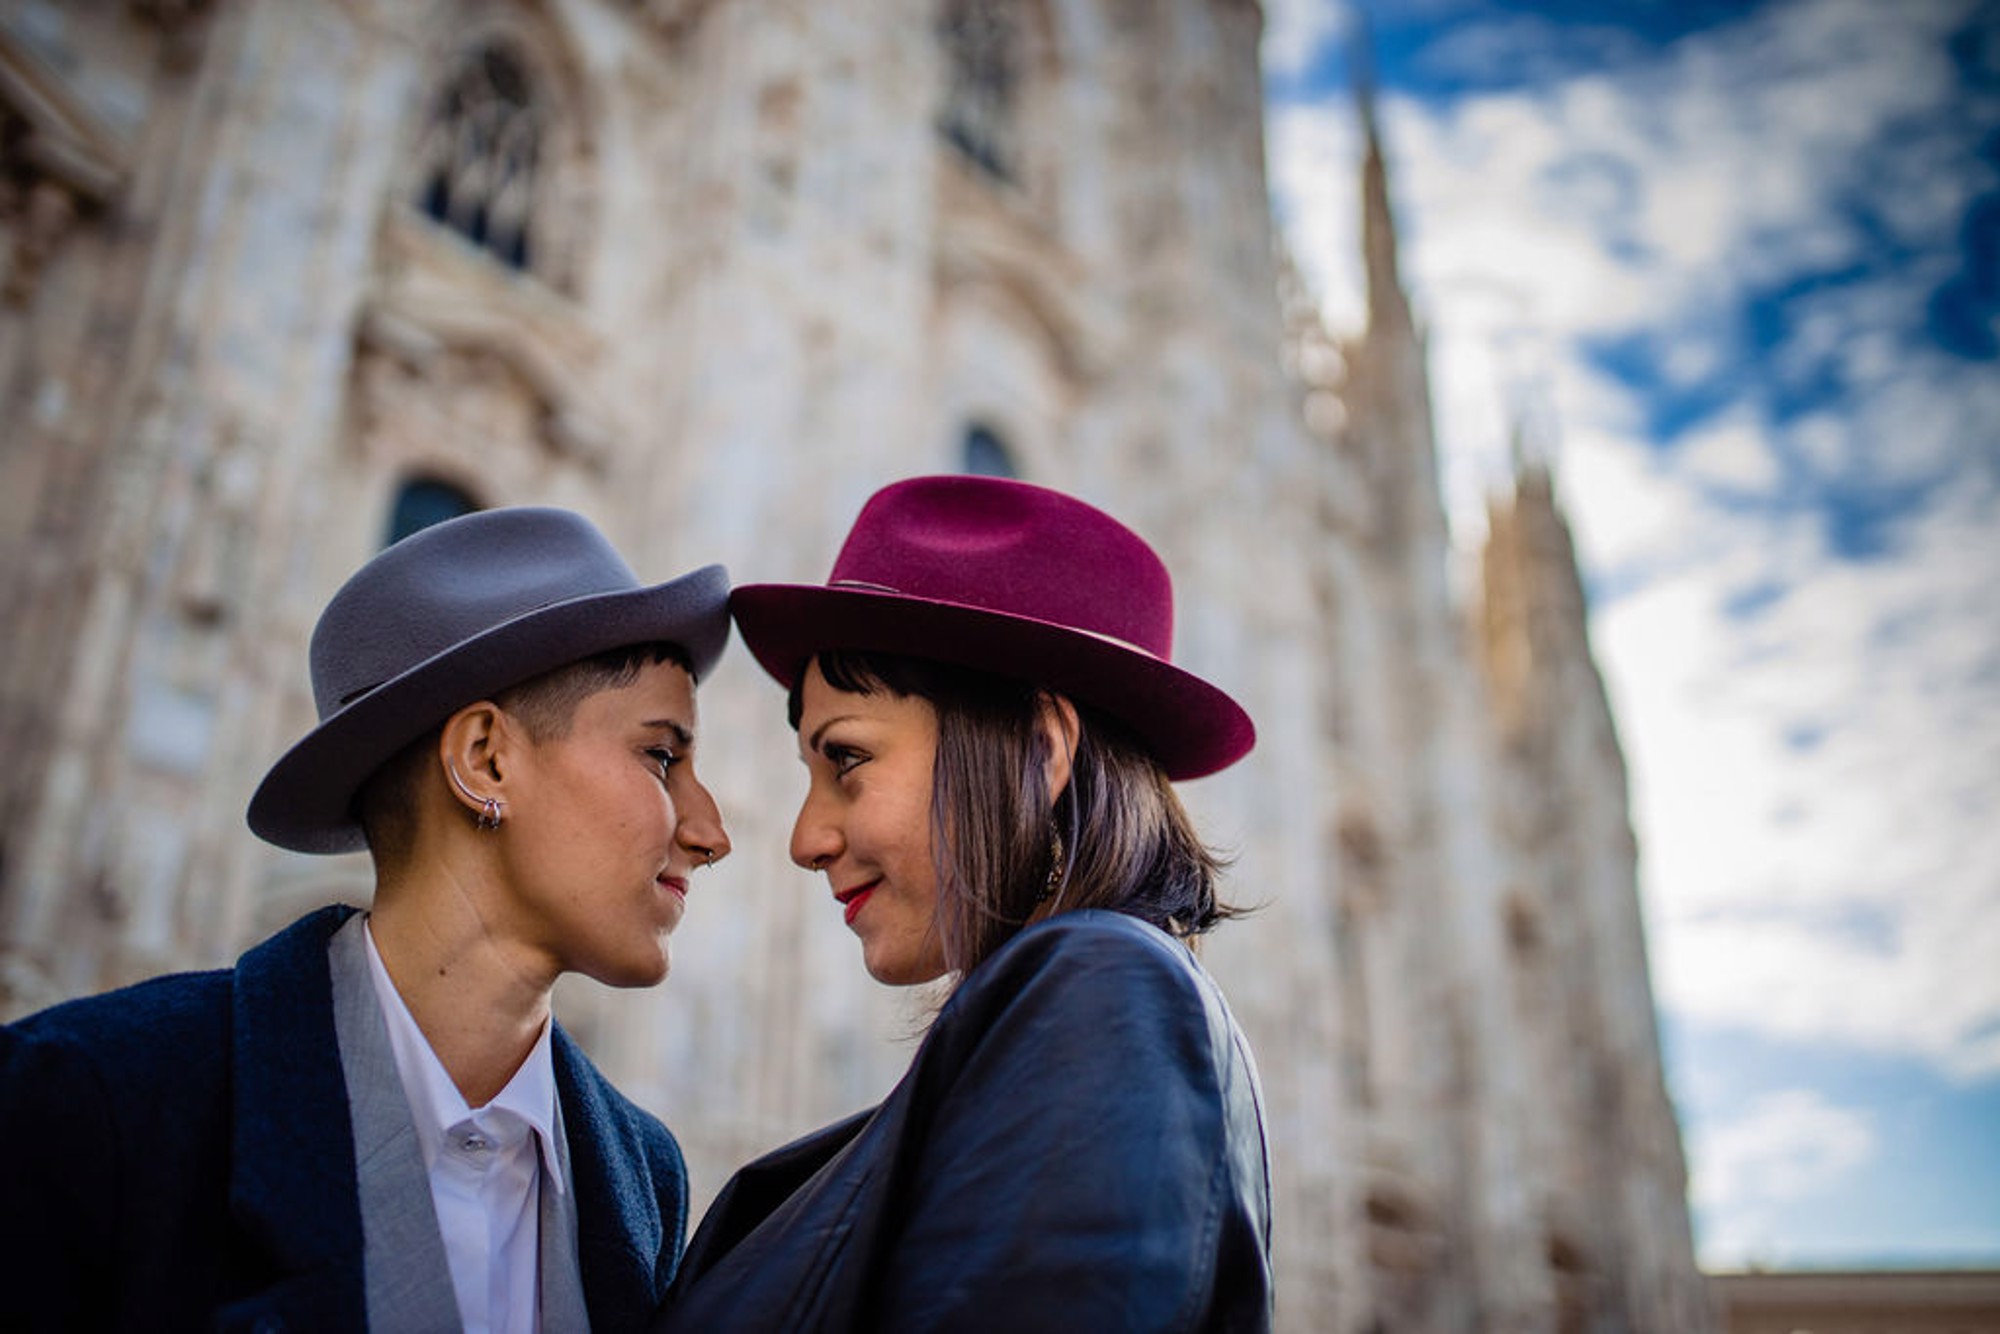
x=1099, y=635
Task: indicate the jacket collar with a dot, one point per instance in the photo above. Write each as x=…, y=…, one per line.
x=292, y=1162
x=293, y=1176
x=626, y=1251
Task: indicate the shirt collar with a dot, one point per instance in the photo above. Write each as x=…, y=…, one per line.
x=436, y=1105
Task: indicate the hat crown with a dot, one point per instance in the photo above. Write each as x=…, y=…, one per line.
x=444, y=584
x=1017, y=581
x=1012, y=548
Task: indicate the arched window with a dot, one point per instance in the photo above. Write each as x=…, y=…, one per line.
x=985, y=64
x=480, y=153
x=986, y=454
x=423, y=501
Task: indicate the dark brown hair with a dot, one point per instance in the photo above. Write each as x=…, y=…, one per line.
x=1128, y=844
x=545, y=705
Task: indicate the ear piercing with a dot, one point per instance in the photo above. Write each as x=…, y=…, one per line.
x=489, y=816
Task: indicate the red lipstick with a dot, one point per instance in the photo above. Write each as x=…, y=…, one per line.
x=851, y=900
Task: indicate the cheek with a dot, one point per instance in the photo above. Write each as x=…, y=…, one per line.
x=919, y=864
x=645, y=816
x=618, y=816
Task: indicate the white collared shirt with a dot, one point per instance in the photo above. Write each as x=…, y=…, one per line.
x=485, y=1166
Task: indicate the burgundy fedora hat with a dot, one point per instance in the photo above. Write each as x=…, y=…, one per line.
x=456, y=613
x=1012, y=579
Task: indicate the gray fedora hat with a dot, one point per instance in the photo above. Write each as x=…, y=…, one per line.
x=456, y=613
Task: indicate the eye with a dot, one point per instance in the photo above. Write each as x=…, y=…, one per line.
x=843, y=758
x=665, y=758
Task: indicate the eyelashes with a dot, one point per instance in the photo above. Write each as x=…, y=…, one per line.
x=842, y=758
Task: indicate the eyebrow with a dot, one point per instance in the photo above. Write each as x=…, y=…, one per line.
x=812, y=742
x=681, y=734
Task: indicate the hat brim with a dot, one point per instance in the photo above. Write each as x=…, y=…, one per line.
x=1192, y=728
x=305, y=802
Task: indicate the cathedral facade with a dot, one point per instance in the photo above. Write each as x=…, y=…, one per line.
x=283, y=279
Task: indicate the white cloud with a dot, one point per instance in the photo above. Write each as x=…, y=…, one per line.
x=1312, y=153
x=1521, y=49
x=1814, y=740
x=1298, y=32
x=1784, y=1147
x=1731, y=453
x=1816, y=786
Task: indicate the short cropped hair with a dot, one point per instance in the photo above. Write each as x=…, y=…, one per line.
x=545, y=705
x=1128, y=844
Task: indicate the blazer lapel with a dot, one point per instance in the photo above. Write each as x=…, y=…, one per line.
x=406, y=1273
x=562, y=1299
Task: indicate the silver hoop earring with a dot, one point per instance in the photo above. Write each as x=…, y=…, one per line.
x=489, y=816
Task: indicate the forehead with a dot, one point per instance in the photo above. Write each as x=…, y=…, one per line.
x=661, y=691
x=821, y=703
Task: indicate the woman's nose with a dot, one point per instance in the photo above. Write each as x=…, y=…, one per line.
x=815, y=838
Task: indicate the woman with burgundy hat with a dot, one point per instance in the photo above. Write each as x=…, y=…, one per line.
x=372, y=1121
x=989, y=718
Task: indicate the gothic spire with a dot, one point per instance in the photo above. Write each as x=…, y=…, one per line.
x=1388, y=304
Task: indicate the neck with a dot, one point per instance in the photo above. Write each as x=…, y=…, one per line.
x=479, y=1003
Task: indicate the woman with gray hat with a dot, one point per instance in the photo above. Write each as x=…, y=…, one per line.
x=990, y=722
x=373, y=1121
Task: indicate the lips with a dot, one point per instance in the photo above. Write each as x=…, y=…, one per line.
x=851, y=900
x=674, y=885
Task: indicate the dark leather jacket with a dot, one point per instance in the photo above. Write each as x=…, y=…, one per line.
x=1079, y=1144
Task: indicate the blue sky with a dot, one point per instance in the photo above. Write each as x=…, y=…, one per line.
x=1735, y=267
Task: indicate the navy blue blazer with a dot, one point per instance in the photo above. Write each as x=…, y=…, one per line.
x=1078, y=1145
x=178, y=1156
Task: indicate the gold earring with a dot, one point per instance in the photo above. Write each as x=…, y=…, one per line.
x=1056, y=867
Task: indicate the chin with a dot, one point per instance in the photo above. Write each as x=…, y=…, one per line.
x=902, y=972
x=628, y=974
